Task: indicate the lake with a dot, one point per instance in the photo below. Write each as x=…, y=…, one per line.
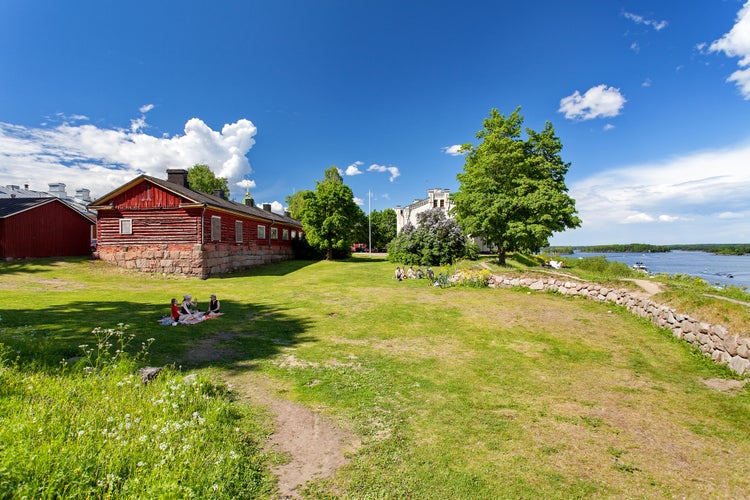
x=715, y=269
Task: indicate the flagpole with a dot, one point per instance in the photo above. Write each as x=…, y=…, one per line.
x=369, y=223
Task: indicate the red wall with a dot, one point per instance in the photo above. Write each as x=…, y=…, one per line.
x=49, y=230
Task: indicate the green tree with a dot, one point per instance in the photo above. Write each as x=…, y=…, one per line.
x=330, y=216
x=201, y=178
x=437, y=240
x=296, y=203
x=512, y=191
x=383, y=227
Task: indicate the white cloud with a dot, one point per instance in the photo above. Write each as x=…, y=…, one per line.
x=652, y=23
x=358, y=201
x=146, y=108
x=454, y=150
x=699, y=197
x=246, y=183
x=668, y=218
x=353, y=169
x=730, y=215
x=736, y=43
x=101, y=159
x=597, y=102
x=646, y=83
x=381, y=168
x=608, y=127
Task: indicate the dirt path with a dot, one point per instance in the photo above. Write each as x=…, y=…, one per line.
x=650, y=287
x=315, y=445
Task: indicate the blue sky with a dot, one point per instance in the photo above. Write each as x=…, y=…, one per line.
x=651, y=100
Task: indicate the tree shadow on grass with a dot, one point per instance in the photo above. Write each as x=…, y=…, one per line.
x=27, y=266
x=276, y=269
x=49, y=336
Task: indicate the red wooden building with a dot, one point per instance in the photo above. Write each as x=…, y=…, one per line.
x=42, y=227
x=162, y=226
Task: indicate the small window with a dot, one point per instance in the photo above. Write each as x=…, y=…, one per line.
x=442, y=203
x=434, y=203
x=274, y=233
x=215, y=228
x=126, y=226
x=261, y=232
x=294, y=234
x=285, y=234
x=238, y=231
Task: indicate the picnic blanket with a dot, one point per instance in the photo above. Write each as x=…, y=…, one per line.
x=191, y=320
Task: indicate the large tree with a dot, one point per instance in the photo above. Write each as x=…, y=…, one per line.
x=383, y=227
x=330, y=216
x=296, y=203
x=201, y=178
x=512, y=191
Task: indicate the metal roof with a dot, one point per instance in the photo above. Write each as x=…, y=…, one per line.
x=13, y=206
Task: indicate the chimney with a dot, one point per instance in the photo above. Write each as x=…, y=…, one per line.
x=219, y=193
x=57, y=189
x=178, y=176
x=287, y=213
x=267, y=207
x=26, y=187
x=83, y=194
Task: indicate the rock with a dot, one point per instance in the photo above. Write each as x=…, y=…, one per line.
x=148, y=373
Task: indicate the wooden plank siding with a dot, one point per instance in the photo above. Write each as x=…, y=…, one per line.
x=176, y=225
x=49, y=230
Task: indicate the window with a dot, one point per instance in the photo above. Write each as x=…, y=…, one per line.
x=434, y=203
x=261, y=232
x=442, y=203
x=238, y=231
x=274, y=233
x=215, y=228
x=285, y=234
x=126, y=226
x=294, y=234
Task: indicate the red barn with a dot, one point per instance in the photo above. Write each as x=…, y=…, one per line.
x=162, y=226
x=42, y=227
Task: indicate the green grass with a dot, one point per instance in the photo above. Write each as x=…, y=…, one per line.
x=455, y=393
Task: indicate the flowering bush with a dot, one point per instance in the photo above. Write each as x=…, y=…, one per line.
x=437, y=241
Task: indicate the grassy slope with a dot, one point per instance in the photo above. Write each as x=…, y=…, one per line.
x=471, y=393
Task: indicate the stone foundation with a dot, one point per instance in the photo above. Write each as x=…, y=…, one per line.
x=200, y=261
x=714, y=341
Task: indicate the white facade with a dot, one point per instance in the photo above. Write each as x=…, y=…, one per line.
x=436, y=198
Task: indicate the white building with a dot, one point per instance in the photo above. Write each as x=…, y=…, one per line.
x=436, y=198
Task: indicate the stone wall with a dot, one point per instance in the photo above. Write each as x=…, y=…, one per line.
x=192, y=260
x=714, y=341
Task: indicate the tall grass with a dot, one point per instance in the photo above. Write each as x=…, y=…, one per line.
x=95, y=430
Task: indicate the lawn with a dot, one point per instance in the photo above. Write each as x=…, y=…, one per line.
x=455, y=393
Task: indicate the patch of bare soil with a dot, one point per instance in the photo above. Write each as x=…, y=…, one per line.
x=724, y=385
x=316, y=446
x=649, y=287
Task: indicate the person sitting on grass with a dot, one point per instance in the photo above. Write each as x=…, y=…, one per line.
x=213, y=305
x=175, y=310
x=187, y=315
x=187, y=304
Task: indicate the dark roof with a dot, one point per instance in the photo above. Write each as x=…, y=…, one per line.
x=13, y=206
x=201, y=198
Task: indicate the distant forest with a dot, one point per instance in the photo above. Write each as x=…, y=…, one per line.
x=719, y=249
